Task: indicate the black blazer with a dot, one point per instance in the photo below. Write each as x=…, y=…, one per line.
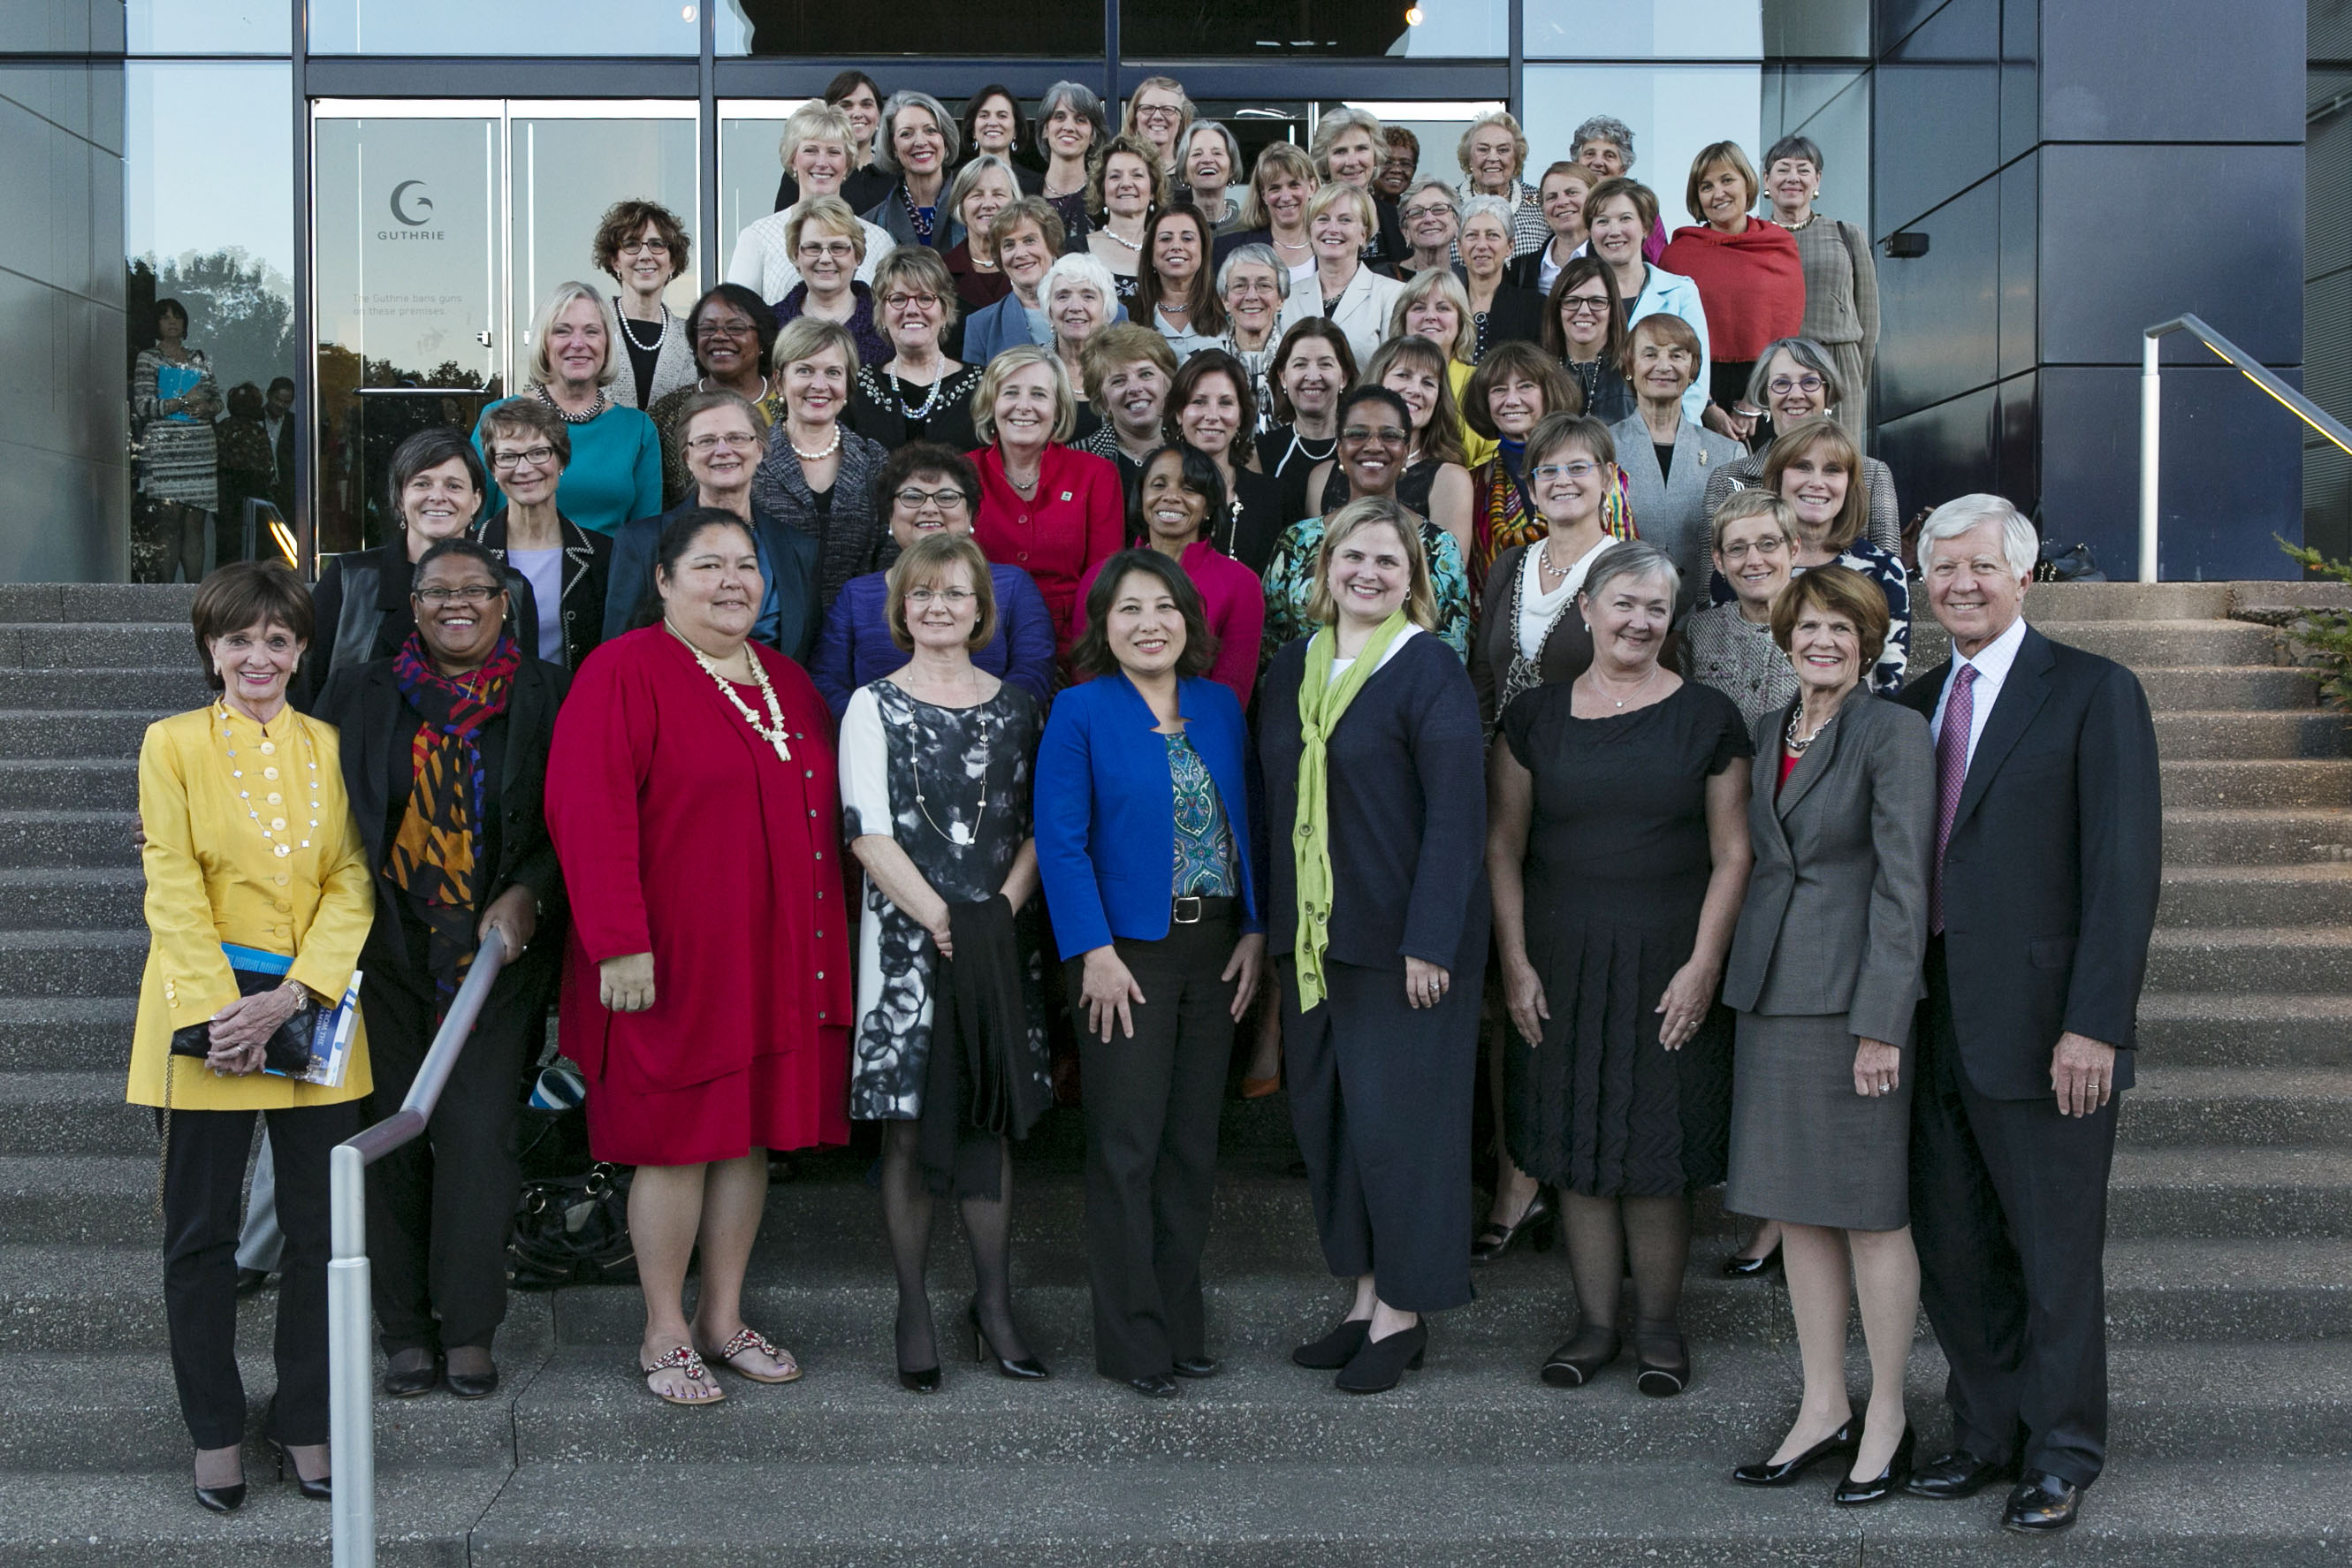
x=2054, y=866
x=1408, y=813
x=1515, y=316
x=363, y=702
x=1527, y=271
x=361, y=610
x=587, y=574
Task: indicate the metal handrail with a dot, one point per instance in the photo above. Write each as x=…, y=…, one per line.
x=350, y=1365
x=2151, y=416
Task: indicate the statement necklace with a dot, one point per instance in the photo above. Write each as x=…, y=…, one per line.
x=1797, y=747
x=773, y=730
x=817, y=456
x=1116, y=237
x=899, y=393
x=269, y=748
x=661, y=331
x=565, y=413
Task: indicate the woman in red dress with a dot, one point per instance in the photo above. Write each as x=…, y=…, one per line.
x=693, y=797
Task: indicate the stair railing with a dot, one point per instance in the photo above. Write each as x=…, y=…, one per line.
x=351, y=1312
x=2151, y=414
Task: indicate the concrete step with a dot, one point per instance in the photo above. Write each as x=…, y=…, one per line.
x=45, y=602
x=71, y=963
x=2244, y=688
x=43, y=1034
x=2271, y=782
x=112, y=783
x=30, y=839
x=30, y=733
x=2253, y=958
x=172, y=689
x=67, y=1520
x=99, y=645
x=53, y=897
x=2246, y=1108
x=2230, y=835
x=2052, y=606
x=2217, y=1028
x=56, y=1114
x=2156, y=644
x=2243, y=737
x=2247, y=895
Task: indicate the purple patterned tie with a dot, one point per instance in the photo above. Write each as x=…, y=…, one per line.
x=1951, y=774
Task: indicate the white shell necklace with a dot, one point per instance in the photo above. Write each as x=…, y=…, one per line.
x=773, y=730
x=269, y=749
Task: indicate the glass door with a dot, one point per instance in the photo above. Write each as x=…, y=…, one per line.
x=440, y=224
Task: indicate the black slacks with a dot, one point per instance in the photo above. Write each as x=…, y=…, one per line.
x=204, y=1194
x=441, y=1208
x=1152, y=1104
x=2009, y=1211
x=1380, y=1098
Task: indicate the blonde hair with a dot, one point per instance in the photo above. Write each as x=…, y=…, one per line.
x=1275, y=158
x=543, y=368
x=1332, y=192
x=1000, y=371
x=1508, y=122
x=1330, y=127
x=922, y=565
x=1375, y=512
x=1741, y=505
x=817, y=122
x=1121, y=343
x=805, y=337
x=1447, y=287
x=826, y=212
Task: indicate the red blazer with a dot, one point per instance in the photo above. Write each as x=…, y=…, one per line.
x=1751, y=283
x=1232, y=599
x=1077, y=519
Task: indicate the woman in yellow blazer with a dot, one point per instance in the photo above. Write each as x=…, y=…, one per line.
x=249, y=846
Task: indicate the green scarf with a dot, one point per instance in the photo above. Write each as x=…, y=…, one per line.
x=1321, y=702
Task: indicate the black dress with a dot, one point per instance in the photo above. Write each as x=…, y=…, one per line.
x=1617, y=867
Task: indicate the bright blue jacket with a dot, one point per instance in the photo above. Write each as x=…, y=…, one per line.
x=1105, y=808
x=990, y=329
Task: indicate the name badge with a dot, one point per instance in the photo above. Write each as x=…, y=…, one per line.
x=1067, y=496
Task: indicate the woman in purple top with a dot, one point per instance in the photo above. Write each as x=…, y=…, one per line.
x=927, y=489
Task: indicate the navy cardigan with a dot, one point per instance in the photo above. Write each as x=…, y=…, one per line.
x=1105, y=808
x=1407, y=817
x=853, y=649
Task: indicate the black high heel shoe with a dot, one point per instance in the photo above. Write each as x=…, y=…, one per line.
x=1852, y=1493
x=223, y=1499
x=924, y=1381
x=1381, y=1364
x=319, y=1491
x=1738, y=1267
x=1335, y=1349
x=1578, y=1361
x=1661, y=1362
x=1765, y=1473
x=1538, y=1222
x=1028, y=1368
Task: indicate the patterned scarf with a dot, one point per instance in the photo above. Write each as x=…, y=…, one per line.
x=436, y=856
x=1321, y=702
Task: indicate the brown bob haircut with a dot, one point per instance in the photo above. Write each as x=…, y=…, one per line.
x=1835, y=590
x=1719, y=155
x=927, y=561
x=1312, y=327
x=1093, y=654
x=1824, y=435
x=1644, y=200
x=1524, y=360
x=524, y=416
x=623, y=221
x=244, y=593
x=1578, y=271
x=1671, y=331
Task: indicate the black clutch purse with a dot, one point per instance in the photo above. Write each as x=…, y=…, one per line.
x=287, y=1052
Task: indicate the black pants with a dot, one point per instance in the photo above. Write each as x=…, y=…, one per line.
x=1152, y=1104
x=2009, y=1211
x=1379, y=1096
x=441, y=1208
x=204, y=1192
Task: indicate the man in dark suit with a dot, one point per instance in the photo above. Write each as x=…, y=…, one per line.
x=2048, y=851
x=277, y=421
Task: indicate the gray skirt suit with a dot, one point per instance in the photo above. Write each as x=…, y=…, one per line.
x=1828, y=951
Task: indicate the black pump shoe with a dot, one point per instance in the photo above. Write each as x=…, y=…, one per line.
x=1765, y=1473
x=1663, y=1361
x=1538, y=1222
x=472, y=1385
x=1335, y=1349
x=1381, y=1364
x=1580, y=1359
x=924, y=1381
x=1738, y=1267
x=1027, y=1369
x=1154, y=1385
x=1852, y=1493
x=1194, y=1366
x=222, y=1498
x=408, y=1382
x=319, y=1491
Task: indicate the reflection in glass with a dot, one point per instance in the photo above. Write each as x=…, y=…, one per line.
x=207, y=27
x=208, y=225
x=1673, y=111
x=1646, y=30
x=1353, y=29
x=566, y=173
x=1054, y=27
x=505, y=27
x=748, y=166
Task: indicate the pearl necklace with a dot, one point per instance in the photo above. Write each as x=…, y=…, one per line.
x=958, y=832
x=565, y=413
x=1118, y=239
x=661, y=332
x=773, y=732
x=276, y=824
x=817, y=456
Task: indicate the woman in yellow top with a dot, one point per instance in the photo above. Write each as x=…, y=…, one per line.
x=250, y=846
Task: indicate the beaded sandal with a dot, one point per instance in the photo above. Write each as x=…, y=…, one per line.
x=683, y=1359
x=749, y=1339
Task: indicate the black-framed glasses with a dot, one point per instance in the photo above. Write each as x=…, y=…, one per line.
x=948, y=500
x=646, y=247
x=1583, y=305
x=724, y=326
x=1388, y=433
x=1782, y=385
x=463, y=593
x=532, y=456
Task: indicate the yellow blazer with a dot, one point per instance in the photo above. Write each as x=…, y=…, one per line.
x=213, y=878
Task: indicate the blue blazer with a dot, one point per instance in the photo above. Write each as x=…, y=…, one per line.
x=788, y=560
x=1105, y=809
x=990, y=329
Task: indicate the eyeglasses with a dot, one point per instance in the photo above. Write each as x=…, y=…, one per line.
x=1429, y=209
x=954, y=598
x=530, y=456
x=1585, y=305
x=1581, y=468
x=837, y=248
x=1770, y=544
x=734, y=440
x=646, y=247
x=949, y=499
x=733, y=327
x=1157, y=112
x=901, y=301
x=464, y=594
x=1388, y=433
x=1782, y=385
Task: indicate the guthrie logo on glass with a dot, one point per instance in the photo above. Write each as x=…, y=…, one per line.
x=411, y=208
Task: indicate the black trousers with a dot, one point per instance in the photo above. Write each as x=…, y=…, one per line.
x=1379, y=1096
x=441, y=1208
x=2009, y=1212
x=1152, y=1104
x=204, y=1194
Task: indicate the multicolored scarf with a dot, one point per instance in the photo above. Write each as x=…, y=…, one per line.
x=1321, y=702
x=436, y=856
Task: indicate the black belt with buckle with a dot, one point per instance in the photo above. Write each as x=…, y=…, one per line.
x=1191, y=910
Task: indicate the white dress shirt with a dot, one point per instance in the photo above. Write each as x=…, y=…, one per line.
x=1992, y=664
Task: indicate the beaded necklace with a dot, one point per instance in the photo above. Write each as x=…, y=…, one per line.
x=269, y=749
x=773, y=730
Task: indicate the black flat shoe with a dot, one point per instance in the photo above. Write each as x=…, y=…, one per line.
x=319, y=1491
x=1381, y=1364
x=1194, y=1366
x=1335, y=1349
x=473, y=1385
x=1852, y=1493
x=1738, y=1267
x=413, y=1380
x=1154, y=1385
x=248, y=1280
x=1765, y=1473
x=1027, y=1369
x=1538, y=1222
x=1663, y=1361
x=925, y=1381
x=2041, y=1504
x=1958, y=1474
x=1580, y=1359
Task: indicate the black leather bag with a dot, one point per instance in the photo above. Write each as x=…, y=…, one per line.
x=2067, y=563
x=287, y=1051
x=572, y=1230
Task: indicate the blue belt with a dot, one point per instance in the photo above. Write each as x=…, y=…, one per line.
x=255, y=962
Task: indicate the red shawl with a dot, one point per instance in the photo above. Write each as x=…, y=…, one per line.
x=1751, y=283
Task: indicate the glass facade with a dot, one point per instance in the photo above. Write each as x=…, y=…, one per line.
x=520, y=27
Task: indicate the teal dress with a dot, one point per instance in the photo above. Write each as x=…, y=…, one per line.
x=615, y=474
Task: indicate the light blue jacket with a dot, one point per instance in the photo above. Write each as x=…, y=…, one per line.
x=990, y=329
x=1678, y=296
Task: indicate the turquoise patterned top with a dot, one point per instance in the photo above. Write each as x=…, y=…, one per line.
x=1204, y=844
x=1290, y=583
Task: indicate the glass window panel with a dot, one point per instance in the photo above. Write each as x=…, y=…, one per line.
x=566, y=172
x=1833, y=108
x=749, y=167
x=208, y=27
x=1817, y=28
x=1673, y=111
x=1028, y=27
x=1644, y=29
x=534, y=27
x=1349, y=29
x=208, y=220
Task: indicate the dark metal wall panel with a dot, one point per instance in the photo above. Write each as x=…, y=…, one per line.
x=2329, y=29
x=2172, y=70
x=1898, y=18
x=1940, y=314
x=1941, y=452
x=2021, y=264
x=1937, y=109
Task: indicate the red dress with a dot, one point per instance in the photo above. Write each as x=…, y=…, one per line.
x=682, y=832
x=1077, y=519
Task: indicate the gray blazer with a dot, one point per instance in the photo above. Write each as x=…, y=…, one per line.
x=1670, y=511
x=1835, y=919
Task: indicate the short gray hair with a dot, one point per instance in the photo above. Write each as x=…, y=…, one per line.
x=1806, y=353
x=2019, y=545
x=951, y=133
x=1631, y=558
x=1495, y=207
x=1430, y=181
x=1217, y=127
x=1256, y=255
x=1605, y=128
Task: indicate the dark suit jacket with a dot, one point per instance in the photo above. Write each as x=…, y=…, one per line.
x=1515, y=316
x=1835, y=919
x=786, y=553
x=587, y=580
x=374, y=618
x=2052, y=870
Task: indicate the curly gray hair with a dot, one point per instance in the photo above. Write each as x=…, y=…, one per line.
x=1605, y=128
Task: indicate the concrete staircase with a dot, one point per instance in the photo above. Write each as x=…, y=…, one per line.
x=2230, y=1267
